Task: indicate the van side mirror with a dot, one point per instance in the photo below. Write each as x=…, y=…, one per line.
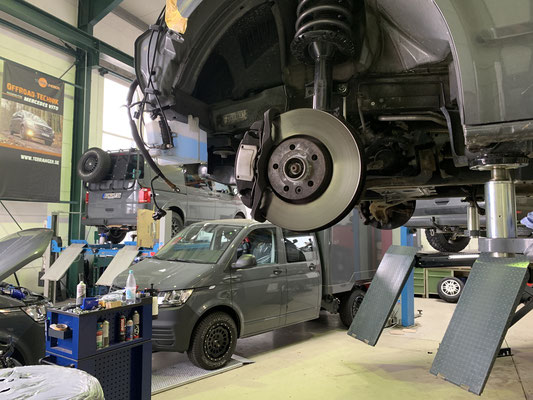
x=245, y=261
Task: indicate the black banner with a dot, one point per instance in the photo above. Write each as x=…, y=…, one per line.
x=33, y=88
x=31, y=134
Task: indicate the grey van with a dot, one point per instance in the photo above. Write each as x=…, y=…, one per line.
x=227, y=279
x=120, y=183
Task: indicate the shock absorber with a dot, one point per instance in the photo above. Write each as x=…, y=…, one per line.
x=323, y=37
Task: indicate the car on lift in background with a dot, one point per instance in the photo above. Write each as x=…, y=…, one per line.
x=30, y=127
x=119, y=183
x=445, y=221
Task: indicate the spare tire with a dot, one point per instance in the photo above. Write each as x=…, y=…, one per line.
x=445, y=242
x=94, y=165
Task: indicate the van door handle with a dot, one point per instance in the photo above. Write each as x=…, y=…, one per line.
x=312, y=267
x=278, y=271
x=234, y=278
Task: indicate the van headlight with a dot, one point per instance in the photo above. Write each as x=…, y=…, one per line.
x=36, y=312
x=173, y=297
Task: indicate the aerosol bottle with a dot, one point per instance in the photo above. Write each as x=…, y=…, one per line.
x=105, y=333
x=131, y=288
x=136, y=327
x=122, y=328
x=129, y=330
x=80, y=293
x=99, y=335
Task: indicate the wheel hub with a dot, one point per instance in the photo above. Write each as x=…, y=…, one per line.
x=217, y=342
x=90, y=164
x=299, y=169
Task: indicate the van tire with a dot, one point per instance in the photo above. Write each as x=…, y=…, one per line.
x=94, y=165
x=177, y=224
x=445, y=242
x=350, y=305
x=116, y=236
x=213, y=341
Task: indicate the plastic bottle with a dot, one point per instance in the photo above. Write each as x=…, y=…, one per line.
x=136, y=328
x=131, y=288
x=99, y=335
x=122, y=328
x=81, y=291
x=105, y=330
x=129, y=330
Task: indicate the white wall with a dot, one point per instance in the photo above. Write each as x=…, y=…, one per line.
x=117, y=32
x=67, y=10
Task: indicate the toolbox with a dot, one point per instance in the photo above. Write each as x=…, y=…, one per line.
x=123, y=368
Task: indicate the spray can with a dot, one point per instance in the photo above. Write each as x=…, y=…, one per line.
x=81, y=291
x=99, y=335
x=129, y=330
x=122, y=328
x=105, y=333
x=136, y=327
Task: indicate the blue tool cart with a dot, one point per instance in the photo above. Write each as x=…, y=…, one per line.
x=123, y=368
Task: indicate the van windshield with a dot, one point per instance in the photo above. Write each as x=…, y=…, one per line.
x=197, y=243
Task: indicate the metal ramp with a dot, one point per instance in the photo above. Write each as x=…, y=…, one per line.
x=480, y=321
x=379, y=301
x=183, y=372
x=120, y=263
x=63, y=262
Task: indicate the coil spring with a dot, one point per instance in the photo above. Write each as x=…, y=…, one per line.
x=324, y=15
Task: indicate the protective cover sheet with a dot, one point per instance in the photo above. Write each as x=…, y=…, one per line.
x=480, y=321
x=48, y=382
x=63, y=262
x=121, y=262
x=383, y=293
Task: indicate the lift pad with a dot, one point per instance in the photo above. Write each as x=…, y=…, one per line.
x=480, y=321
x=386, y=286
x=120, y=262
x=63, y=262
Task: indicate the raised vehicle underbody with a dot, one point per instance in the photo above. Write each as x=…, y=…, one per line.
x=376, y=103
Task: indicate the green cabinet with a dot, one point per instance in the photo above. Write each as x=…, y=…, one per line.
x=427, y=279
x=420, y=281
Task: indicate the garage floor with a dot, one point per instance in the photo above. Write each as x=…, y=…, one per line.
x=318, y=360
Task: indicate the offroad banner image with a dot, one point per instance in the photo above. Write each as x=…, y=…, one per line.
x=31, y=126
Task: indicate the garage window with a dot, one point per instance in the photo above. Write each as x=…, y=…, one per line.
x=116, y=133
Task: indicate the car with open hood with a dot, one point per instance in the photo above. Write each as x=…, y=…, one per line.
x=23, y=313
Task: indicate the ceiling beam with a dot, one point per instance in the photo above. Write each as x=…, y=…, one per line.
x=62, y=30
x=91, y=12
x=131, y=19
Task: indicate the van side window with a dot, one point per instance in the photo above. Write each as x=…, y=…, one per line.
x=262, y=244
x=222, y=188
x=194, y=180
x=299, y=246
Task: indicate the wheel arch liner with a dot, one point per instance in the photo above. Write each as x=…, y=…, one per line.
x=492, y=52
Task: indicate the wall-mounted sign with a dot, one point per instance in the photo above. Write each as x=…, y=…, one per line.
x=31, y=134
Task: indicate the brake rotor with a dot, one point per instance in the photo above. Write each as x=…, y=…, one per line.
x=315, y=170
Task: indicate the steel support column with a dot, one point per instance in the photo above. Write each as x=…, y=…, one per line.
x=408, y=291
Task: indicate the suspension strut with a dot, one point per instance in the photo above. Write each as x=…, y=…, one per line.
x=323, y=36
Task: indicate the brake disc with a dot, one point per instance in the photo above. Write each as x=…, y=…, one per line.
x=315, y=171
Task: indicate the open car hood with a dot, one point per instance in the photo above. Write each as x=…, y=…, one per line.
x=18, y=249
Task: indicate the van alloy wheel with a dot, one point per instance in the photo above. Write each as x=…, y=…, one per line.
x=217, y=341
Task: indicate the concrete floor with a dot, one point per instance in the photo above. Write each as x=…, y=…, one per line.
x=318, y=360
